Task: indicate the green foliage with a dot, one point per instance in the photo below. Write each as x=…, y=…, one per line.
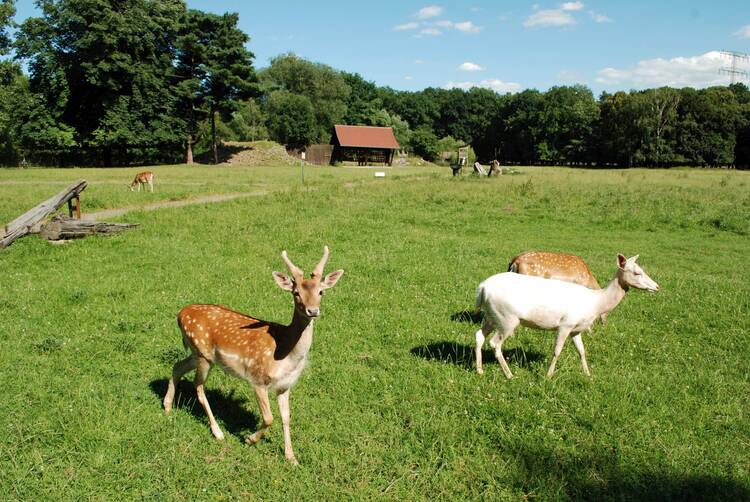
x=319, y=83
x=7, y=11
x=424, y=143
x=248, y=123
x=291, y=118
x=214, y=70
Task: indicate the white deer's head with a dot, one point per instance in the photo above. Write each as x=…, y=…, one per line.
x=632, y=275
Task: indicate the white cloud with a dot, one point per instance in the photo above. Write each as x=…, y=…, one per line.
x=572, y=6
x=467, y=27
x=743, y=32
x=444, y=23
x=549, y=17
x=695, y=71
x=406, y=26
x=494, y=84
x=600, y=18
x=418, y=61
x=429, y=12
x=468, y=66
x=408, y=77
x=430, y=32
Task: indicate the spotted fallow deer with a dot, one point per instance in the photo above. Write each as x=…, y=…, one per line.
x=510, y=299
x=268, y=355
x=144, y=178
x=552, y=265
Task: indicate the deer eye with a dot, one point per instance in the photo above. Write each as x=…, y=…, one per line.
x=321, y=292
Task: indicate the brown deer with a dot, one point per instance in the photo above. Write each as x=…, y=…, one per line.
x=266, y=354
x=144, y=178
x=552, y=265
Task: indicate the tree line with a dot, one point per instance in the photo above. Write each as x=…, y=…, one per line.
x=119, y=82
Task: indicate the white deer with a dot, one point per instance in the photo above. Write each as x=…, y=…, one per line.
x=266, y=354
x=510, y=299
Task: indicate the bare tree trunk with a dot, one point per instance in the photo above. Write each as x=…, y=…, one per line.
x=61, y=228
x=213, y=136
x=189, y=152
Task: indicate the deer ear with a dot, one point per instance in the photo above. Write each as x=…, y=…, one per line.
x=621, y=261
x=331, y=279
x=283, y=281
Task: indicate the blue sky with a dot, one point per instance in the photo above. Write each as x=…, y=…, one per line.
x=504, y=45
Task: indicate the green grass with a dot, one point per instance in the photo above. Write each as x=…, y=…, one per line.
x=390, y=405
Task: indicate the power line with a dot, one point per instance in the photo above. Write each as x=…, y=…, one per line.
x=732, y=71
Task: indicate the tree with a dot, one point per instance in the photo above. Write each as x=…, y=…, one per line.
x=291, y=119
x=319, y=83
x=214, y=70
x=567, y=120
x=249, y=122
x=424, y=143
x=363, y=102
x=657, y=118
x=742, y=131
x=103, y=68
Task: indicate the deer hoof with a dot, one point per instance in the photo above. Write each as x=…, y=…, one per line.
x=292, y=460
x=251, y=440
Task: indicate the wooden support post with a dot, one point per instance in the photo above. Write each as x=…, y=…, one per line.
x=74, y=208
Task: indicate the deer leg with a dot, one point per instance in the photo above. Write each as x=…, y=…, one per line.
x=151, y=184
x=480, y=335
x=178, y=371
x=261, y=395
x=283, y=399
x=562, y=335
x=578, y=342
x=201, y=374
x=497, y=344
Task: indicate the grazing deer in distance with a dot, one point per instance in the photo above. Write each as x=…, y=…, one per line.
x=552, y=265
x=510, y=299
x=144, y=178
x=266, y=354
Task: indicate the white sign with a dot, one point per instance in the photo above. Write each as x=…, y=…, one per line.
x=379, y=174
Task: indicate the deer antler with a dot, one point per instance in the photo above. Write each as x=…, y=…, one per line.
x=318, y=270
x=294, y=269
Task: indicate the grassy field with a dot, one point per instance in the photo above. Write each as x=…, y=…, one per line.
x=390, y=406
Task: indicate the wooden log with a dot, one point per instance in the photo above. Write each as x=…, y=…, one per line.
x=24, y=223
x=62, y=227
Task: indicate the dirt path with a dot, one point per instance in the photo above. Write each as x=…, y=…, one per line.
x=119, y=211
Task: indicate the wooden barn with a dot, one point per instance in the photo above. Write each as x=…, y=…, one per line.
x=363, y=144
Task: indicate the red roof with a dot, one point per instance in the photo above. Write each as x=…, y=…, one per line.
x=366, y=136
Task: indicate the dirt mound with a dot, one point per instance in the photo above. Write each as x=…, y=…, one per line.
x=252, y=153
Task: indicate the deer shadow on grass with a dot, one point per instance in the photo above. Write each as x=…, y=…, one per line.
x=601, y=472
x=464, y=355
x=231, y=411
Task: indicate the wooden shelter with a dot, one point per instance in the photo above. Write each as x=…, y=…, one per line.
x=363, y=144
